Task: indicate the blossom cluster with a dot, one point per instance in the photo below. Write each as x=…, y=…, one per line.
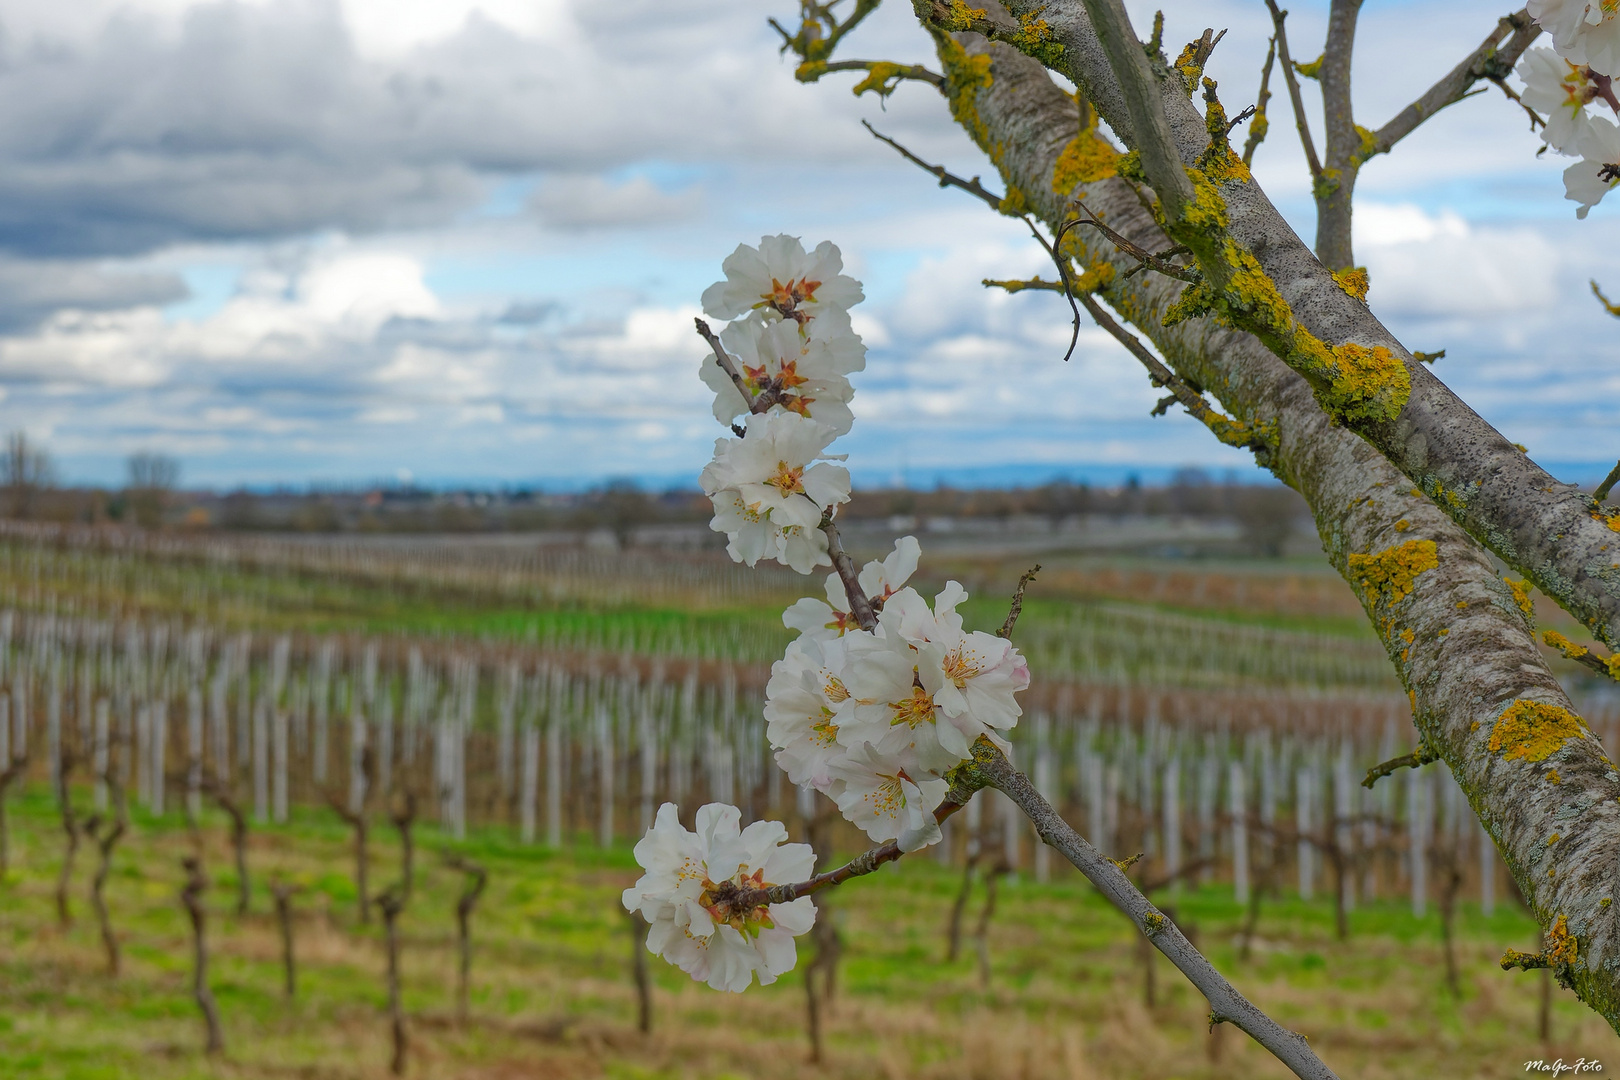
x=791, y=349
x=1571, y=84
x=684, y=896
x=873, y=715
x=875, y=718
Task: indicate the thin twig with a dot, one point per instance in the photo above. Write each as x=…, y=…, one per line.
x=1258, y=129
x=859, y=605
x=1277, y=18
x=915, y=72
x=740, y=899
x=1226, y=1004
x=1416, y=759
x=946, y=179
x=1017, y=602
x=1053, y=250
x=1146, y=258
x=756, y=403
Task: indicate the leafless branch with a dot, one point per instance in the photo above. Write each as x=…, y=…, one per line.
x=1292, y=79
x=1261, y=124
x=1017, y=602
x=1493, y=60
x=1416, y=759
x=946, y=179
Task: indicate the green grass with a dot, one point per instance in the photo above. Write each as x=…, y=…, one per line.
x=551, y=993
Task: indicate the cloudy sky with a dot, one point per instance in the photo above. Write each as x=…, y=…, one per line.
x=292, y=241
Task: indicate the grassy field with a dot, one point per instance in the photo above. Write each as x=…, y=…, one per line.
x=552, y=994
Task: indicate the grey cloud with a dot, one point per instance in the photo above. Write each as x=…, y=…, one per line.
x=30, y=291
x=260, y=121
x=590, y=202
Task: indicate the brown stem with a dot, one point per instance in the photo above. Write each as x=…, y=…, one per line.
x=1226, y=1004
x=639, y=973
x=1017, y=602
x=191, y=897
x=859, y=605
x=392, y=902
x=70, y=826
x=357, y=822
x=472, y=888
x=216, y=789
x=283, y=892
x=1416, y=759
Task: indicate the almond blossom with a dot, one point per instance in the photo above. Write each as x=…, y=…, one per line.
x=799, y=374
x=769, y=491
x=1591, y=178
x=1583, y=31
x=878, y=580
x=684, y=896
x=883, y=800
x=805, y=701
x=1562, y=91
x=780, y=279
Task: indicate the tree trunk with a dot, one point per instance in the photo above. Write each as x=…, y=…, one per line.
x=1471, y=660
x=392, y=903
x=283, y=894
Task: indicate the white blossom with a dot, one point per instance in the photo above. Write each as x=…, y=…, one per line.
x=1561, y=90
x=805, y=701
x=779, y=278
x=884, y=801
x=681, y=896
x=878, y=580
x=1583, y=31
x=769, y=491
x=803, y=375
x=1591, y=178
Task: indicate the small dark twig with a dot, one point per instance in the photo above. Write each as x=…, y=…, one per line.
x=1277, y=18
x=1416, y=759
x=1017, y=602
x=859, y=606
x=1258, y=129
x=471, y=890
x=756, y=404
x=946, y=179
x=1248, y=111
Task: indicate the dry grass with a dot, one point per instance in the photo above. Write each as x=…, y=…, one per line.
x=552, y=997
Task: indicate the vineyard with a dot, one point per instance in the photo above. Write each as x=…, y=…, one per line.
x=431, y=758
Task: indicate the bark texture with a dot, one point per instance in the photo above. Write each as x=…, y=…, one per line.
x=1553, y=533
x=1483, y=698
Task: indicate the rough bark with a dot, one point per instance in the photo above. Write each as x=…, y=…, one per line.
x=1454, y=632
x=1550, y=531
x=1342, y=145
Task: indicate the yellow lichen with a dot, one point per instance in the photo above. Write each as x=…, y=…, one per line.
x=1521, y=597
x=1408, y=635
x=1533, y=731
x=1402, y=525
x=1552, y=777
x=1311, y=70
x=1367, y=384
x=1369, y=143
x=1353, y=280
x=958, y=17
x=1562, y=948
x=810, y=70
x=1392, y=572
x=1189, y=66
x=1612, y=663
x=1088, y=158
x=1611, y=520
x=881, y=78
x=1558, y=641
x=1034, y=38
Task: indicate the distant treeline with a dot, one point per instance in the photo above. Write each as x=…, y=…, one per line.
x=1266, y=512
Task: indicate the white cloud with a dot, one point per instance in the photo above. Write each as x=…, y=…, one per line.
x=1438, y=266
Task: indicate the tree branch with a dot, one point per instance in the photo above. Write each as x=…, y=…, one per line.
x=859, y=606
x=1260, y=125
x=1493, y=60
x=881, y=73
x=946, y=179
x=1017, y=602
x=1294, y=96
x=1226, y=1004
x=1416, y=759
